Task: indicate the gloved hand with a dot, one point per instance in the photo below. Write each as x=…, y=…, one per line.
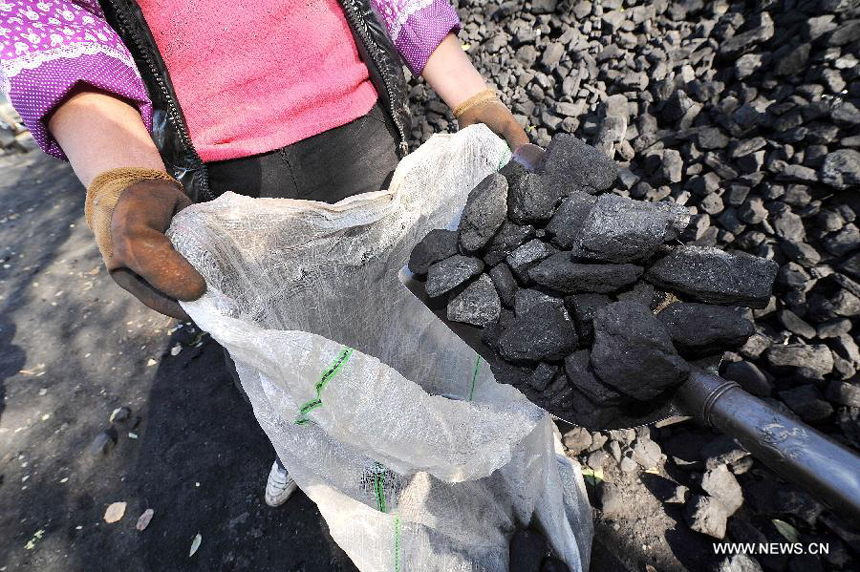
x=129, y=211
x=485, y=107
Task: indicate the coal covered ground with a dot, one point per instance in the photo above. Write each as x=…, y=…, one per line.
x=747, y=113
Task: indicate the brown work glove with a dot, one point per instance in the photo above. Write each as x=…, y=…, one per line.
x=129, y=211
x=485, y=107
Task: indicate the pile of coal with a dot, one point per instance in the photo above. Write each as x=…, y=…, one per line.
x=746, y=113
x=588, y=300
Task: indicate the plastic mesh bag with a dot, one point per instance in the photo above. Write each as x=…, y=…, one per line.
x=416, y=457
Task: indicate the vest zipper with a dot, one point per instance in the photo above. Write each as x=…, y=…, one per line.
x=173, y=109
x=359, y=24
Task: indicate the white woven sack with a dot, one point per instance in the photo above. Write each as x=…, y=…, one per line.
x=391, y=424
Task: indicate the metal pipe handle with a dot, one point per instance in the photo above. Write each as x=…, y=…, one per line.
x=826, y=469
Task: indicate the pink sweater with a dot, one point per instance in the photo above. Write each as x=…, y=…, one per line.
x=256, y=76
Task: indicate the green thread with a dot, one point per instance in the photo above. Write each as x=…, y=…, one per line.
x=380, y=491
x=329, y=374
x=474, y=377
x=397, y=544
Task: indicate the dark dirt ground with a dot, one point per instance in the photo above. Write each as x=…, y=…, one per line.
x=73, y=347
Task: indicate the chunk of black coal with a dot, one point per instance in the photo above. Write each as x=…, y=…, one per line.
x=633, y=353
x=583, y=307
x=445, y=275
x=543, y=375
x=527, y=256
x=703, y=329
x=583, y=412
x=531, y=201
x=541, y=334
x=619, y=230
x=559, y=393
x=513, y=172
x=505, y=283
x=567, y=222
x=642, y=292
x=527, y=298
x=484, y=212
x=712, y=275
x=439, y=244
x=511, y=374
x=577, y=366
x=509, y=237
x=571, y=165
x=841, y=169
x=560, y=273
x=478, y=304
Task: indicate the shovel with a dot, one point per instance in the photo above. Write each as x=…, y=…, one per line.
x=826, y=469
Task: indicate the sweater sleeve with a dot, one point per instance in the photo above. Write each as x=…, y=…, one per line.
x=48, y=47
x=417, y=27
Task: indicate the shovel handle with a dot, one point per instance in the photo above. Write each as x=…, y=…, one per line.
x=828, y=470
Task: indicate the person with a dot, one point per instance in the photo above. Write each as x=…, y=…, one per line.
x=158, y=103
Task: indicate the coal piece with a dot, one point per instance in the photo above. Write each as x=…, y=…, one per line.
x=505, y=283
x=527, y=298
x=478, y=304
x=703, y=329
x=438, y=245
x=577, y=366
x=484, y=212
x=633, y=353
x=544, y=374
x=560, y=273
x=541, y=334
x=568, y=220
x=750, y=377
x=642, y=292
x=812, y=362
x=571, y=165
x=807, y=402
x=583, y=307
x=447, y=274
x=841, y=169
x=712, y=275
x=526, y=256
x=530, y=200
x=621, y=230
x=509, y=237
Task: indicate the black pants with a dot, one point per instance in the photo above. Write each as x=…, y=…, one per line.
x=355, y=158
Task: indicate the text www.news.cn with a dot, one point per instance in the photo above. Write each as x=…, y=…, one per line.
x=763, y=548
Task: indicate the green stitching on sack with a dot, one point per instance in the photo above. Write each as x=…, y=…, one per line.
x=397, y=544
x=329, y=374
x=474, y=377
x=379, y=486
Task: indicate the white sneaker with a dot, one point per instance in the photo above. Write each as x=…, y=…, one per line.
x=279, y=486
